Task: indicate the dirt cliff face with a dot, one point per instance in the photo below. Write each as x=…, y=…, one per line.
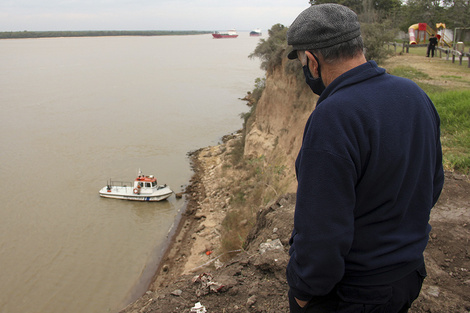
x=280, y=117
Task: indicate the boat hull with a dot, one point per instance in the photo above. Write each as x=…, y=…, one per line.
x=217, y=36
x=127, y=193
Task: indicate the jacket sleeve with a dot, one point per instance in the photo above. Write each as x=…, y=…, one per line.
x=323, y=223
x=438, y=182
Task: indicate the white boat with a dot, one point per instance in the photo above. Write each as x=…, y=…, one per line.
x=255, y=32
x=144, y=188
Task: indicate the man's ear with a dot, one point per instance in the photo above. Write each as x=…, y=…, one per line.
x=312, y=63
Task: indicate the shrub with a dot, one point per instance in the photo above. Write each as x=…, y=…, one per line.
x=375, y=36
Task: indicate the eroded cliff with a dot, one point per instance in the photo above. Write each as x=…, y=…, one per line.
x=276, y=129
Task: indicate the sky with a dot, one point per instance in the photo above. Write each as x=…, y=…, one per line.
x=50, y=15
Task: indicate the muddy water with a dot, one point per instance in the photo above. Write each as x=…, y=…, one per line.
x=75, y=112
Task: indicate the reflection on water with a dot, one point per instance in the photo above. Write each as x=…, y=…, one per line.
x=76, y=112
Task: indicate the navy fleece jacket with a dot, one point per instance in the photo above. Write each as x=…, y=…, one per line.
x=369, y=171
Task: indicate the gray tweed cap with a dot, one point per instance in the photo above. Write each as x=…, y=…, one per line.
x=322, y=26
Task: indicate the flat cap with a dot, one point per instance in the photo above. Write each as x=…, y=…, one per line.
x=322, y=26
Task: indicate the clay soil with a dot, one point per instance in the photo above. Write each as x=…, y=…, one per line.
x=253, y=280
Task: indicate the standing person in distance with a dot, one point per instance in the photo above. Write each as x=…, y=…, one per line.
x=431, y=46
x=369, y=171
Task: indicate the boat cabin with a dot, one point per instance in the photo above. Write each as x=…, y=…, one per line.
x=144, y=182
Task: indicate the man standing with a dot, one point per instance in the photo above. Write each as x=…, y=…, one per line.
x=432, y=45
x=369, y=171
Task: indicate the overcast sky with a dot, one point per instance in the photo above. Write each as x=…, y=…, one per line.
x=41, y=15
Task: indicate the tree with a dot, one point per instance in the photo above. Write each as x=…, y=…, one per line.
x=458, y=12
x=355, y=5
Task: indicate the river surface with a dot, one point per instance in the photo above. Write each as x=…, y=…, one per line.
x=75, y=112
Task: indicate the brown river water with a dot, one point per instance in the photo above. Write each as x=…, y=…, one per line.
x=75, y=112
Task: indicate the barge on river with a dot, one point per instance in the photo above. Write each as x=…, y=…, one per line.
x=228, y=34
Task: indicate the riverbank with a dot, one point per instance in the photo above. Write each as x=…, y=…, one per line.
x=253, y=280
x=195, y=249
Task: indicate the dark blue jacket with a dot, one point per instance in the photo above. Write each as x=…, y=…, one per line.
x=369, y=171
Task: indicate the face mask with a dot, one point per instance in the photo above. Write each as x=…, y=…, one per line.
x=316, y=84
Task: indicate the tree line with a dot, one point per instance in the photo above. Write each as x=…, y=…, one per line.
x=402, y=14
x=48, y=34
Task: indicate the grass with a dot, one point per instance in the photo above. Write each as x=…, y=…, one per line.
x=421, y=78
x=454, y=109
x=453, y=106
x=409, y=72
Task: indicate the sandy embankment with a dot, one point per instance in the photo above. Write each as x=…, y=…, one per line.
x=197, y=237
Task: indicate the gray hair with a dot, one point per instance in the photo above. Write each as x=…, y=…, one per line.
x=344, y=50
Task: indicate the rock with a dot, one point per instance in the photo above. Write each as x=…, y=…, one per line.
x=251, y=300
x=272, y=261
x=226, y=281
x=179, y=195
x=177, y=292
x=270, y=245
x=433, y=291
x=218, y=264
x=199, y=215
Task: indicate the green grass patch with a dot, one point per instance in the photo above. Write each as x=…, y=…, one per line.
x=451, y=77
x=419, y=51
x=454, y=109
x=417, y=76
x=409, y=72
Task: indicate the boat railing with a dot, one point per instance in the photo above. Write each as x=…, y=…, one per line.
x=119, y=183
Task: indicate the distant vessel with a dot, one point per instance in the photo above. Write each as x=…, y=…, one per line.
x=255, y=32
x=144, y=188
x=228, y=34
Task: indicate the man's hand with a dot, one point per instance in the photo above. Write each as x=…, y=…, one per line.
x=301, y=303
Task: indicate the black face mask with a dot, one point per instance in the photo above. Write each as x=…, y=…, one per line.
x=316, y=84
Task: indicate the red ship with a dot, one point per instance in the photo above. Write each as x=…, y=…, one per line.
x=229, y=34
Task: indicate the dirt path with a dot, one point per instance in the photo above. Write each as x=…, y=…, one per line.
x=442, y=72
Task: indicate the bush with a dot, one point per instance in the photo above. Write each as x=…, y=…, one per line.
x=375, y=36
